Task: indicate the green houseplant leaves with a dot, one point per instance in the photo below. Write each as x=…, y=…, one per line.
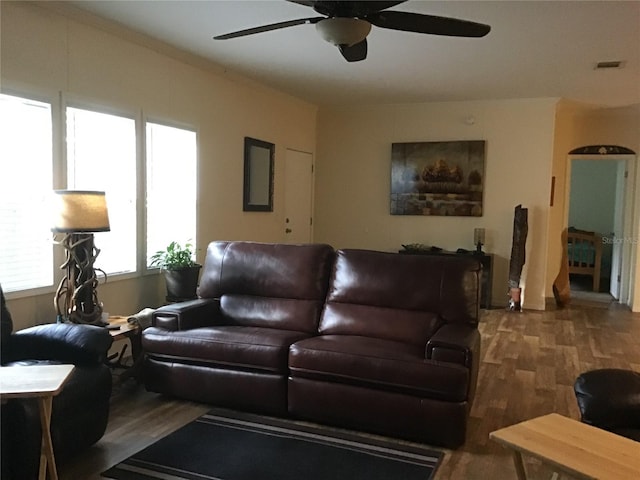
x=180, y=271
x=174, y=257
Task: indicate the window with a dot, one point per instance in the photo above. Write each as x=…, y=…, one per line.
x=101, y=155
x=171, y=187
x=26, y=181
x=151, y=201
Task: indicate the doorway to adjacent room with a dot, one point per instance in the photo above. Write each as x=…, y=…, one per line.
x=600, y=201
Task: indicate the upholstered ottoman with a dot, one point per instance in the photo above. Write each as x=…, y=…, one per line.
x=609, y=398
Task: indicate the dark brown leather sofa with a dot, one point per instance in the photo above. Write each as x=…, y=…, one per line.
x=375, y=341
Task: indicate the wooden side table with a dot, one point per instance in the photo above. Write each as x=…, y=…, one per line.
x=42, y=382
x=132, y=332
x=577, y=449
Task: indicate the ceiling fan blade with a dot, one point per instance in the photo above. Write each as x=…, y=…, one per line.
x=306, y=3
x=333, y=8
x=367, y=7
x=267, y=28
x=354, y=53
x=419, y=23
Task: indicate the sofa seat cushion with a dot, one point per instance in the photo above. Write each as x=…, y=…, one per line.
x=234, y=347
x=380, y=364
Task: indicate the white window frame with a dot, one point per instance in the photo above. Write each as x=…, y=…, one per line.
x=59, y=101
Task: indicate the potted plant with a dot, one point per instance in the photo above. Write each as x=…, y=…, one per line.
x=180, y=270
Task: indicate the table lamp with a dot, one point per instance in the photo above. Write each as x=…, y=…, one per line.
x=77, y=214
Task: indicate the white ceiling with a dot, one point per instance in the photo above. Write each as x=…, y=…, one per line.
x=534, y=49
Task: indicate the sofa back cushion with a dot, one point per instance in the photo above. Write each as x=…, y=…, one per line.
x=397, y=297
x=268, y=285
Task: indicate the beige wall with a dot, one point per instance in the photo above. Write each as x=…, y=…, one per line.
x=52, y=48
x=353, y=180
x=608, y=126
x=564, y=142
x=49, y=51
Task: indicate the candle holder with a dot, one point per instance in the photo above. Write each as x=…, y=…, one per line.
x=478, y=239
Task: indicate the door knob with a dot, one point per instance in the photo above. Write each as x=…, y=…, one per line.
x=288, y=230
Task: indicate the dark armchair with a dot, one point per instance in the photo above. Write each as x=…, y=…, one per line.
x=81, y=410
x=609, y=398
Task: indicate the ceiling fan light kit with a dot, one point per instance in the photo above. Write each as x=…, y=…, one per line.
x=346, y=24
x=343, y=31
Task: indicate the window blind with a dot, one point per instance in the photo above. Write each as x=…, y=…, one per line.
x=101, y=155
x=26, y=182
x=171, y=187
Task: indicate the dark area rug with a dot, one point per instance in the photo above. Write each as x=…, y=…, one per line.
x=228, y=445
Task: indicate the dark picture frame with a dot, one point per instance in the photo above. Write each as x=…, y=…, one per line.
x=438, y=178
x=258, y=175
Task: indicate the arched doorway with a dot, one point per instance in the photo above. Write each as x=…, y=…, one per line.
x=598, y=232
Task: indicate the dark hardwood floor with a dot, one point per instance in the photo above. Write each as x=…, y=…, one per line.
x=529, y=363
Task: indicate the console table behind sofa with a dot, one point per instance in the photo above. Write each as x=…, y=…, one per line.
x=485, y=259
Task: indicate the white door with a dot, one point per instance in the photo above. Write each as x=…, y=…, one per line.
x=618, y=230
x=298, y=195
x=627, y=241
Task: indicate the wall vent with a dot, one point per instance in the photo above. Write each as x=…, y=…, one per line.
x=612, y=64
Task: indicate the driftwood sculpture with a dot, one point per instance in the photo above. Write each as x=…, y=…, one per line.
x=561, y=285
x=76, y=299
x=520, y=230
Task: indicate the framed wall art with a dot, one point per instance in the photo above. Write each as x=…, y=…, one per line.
x=258, y=175
x=437, y=178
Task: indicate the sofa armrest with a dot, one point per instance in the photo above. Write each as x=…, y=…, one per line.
x=63, y=342
x=187, y=315
x=455, y=344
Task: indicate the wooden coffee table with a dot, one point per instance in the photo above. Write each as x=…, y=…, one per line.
x=571, y=447
x=42, y=382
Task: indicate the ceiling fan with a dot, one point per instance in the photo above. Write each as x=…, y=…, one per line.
x=346, y=24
